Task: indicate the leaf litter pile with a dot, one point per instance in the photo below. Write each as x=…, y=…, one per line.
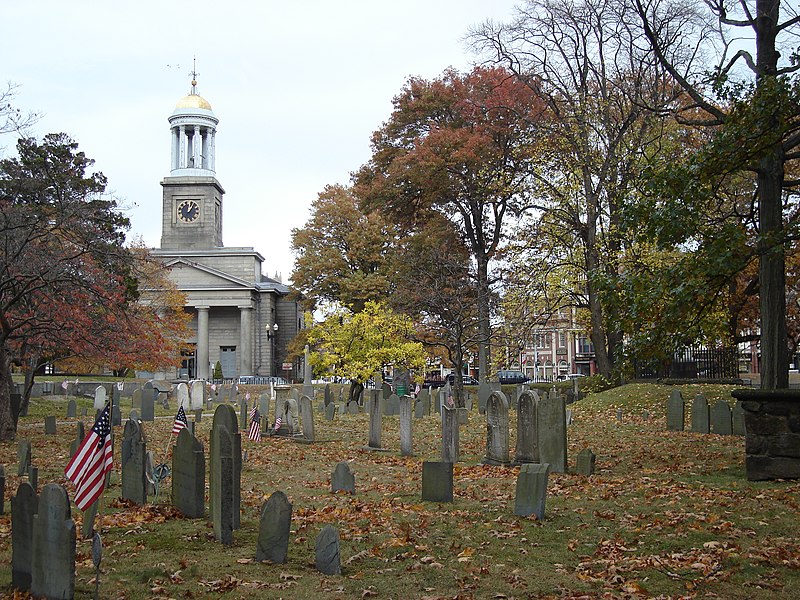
x=666, y=515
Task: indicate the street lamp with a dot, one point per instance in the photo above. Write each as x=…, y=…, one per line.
x=272, y=335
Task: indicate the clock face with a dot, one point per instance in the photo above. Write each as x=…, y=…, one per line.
x=188, y=211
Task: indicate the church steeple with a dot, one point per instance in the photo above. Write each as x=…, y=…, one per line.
x=193, y=127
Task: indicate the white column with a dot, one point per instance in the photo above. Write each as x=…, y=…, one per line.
x=204, y=159
x=212, y=151
x=182, y=146
x=201, y=358
x=246, y=340
x=173, y=162
x=197, y=147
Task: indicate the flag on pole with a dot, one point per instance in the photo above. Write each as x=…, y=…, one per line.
x=180, y=421
x=94, y=458
x=65, y=385
x=255, y=425
x=278, y=422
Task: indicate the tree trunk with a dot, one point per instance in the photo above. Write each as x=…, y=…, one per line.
x=8, y=426
x=484, y=329
x=356, y=390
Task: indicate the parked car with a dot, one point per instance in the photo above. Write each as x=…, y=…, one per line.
x=465, y=379
x=570, y=376
x=506, y=377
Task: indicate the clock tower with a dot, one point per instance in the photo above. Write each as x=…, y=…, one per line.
x=192, y=206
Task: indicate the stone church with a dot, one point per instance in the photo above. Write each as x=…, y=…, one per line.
x=241, y=318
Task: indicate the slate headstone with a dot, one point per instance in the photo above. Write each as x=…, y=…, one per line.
x=188, y=475
x=342, y=479
x=437, y=481
x=148, y=403
x=406, y=434
x=54, y=538
x=72, y=409
x=225, y=474
x=79, y=435
x=134, y=457
x=23, y=507
x=584, y=463
x=531, y=490
x=484, y=390
x=552, y=427
x=307, y=418
x=496, y=430
x=328, y=560
x=676, y=411
x=136, y=399
x=450, y=449
x=330, y=411
x=721, y=422
x=33, y=477
x=23, y=457
x=50, y=425
x=737, y=418
x=273, y=529
x=375, y=419
x=701, y=418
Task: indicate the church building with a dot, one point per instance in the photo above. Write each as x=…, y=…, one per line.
x=241, y=318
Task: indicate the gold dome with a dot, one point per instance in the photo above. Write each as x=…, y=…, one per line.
x=193, y=101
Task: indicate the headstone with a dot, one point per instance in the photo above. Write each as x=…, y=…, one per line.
x=330, y=411
x=116, y=415
x=33, y=477
x=619, y=415
x=148, y=403
x=182, y=395
x=89, y=516
x=53, y=557
x=484, y=391
x=437, y=481
x=352, y=408
x=134, y=457
x=134, y=416
x=72, y=409
x=394, y=405
x=197, y=394
x=449, y=435
x=737, y=418
x=375, y=419
x=386, y=390
x=436, y=400
x=423, y=405
x=676, y=409
x=584, y=463
x=50, y=425
x=701, y=420
x=552, y=427
x=307, y=418
x=263, y=405
x=198, y=415
x=99, y=397
x=188, y=475
x=225, y=475
x=243, y=415
x=23, y=457
x=327, y=396
x=721, y=422
x=342, y=479
x=233, y=392
x=406, y=437
x=531, y=490
x=496, y=430
x=136, y=399
x=327, y=551
x=568, y=414
x=292, y=413
x=23, y=507
x=79, y=435
x=308, y=375
x=273, y=529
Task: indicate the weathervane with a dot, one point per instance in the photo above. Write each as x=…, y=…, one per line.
x=194, y=75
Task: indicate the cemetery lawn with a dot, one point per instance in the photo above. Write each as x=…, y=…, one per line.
x=667, y=514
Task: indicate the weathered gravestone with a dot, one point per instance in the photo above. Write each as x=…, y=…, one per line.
x=584, y=463
x=449, y=435
x=197, y=394
x=406, y=433
x=292, y=412
x=79, y=435
x=307, y=418
x=33, y=477
x=273, y=529
x=225, y=474
x=737, y=418
x=243, y=414
x=89, y=516
x=50, y=425
x=386, y=390
x=701, y=421
x=23, y=507
x=188, y=475
x=328, y=395
x=375, y=420
x=263, y=406
x=527, y=449
x=422, y=407
x=437, y=481
x=134, y=457
x=531, y=490
x=496, y=430
x=676, y=411
x=116, y=415
x=436, y=400
x=721, y=422
x=100, y=397
x=182, y=395
x=552, y=426
x=352, y=407
x=484, y=391
x=330, y=411
x=148, y=402
x=233, y=392
x=23, y=457
x=53, y=557
x=136, y=399
x=72, y=409
x=342, y=479
x=328, y=560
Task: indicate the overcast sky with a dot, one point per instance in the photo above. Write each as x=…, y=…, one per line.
x=298, y=88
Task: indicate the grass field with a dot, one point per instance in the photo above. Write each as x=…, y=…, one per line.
x=667, y=514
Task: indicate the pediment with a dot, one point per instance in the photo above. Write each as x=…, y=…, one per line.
x=186, y=274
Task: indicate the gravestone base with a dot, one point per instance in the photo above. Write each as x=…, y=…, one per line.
x=371, y=449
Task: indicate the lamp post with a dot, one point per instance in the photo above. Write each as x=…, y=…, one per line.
x=272, y=335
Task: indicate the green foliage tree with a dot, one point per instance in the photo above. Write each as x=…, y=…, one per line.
x=357, y=345
x=218, y=370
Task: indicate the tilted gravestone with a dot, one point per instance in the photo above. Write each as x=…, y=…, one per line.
x=701, y=420
x=50, y=425
x=273, y=529
x=188, y=475
x=307, y=418
x=406, y=433
x=437, y=481
x=721, y=422
x=375, y=419
x=54, y=537
x=72, y=409
x=328, y=559
x=23, y=457
x=225, y=475
x=450, y=450
x=23, y=506
x=527, y=449
x=496, y=430
x=100, y=397
x=342, y=479
x=484, y=391
x=584, y=463
x=531, y=490
x=134, y=456
x=676, y=411
x=552, y=425
x=737, y=418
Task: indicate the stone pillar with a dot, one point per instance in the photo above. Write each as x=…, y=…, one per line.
x=201, y=358
x=204, y=150
x=175, y=135
x=182, y=146
x=212, y=151
x=197, y=146
x=246, y=340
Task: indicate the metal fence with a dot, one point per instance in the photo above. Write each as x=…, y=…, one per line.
x=693, y=362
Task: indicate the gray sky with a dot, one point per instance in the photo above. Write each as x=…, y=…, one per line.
x=298, y=88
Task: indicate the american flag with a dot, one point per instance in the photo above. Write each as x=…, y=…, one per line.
x=278, y=422
x=255, y=425
x=180, y=421
x=94, y=458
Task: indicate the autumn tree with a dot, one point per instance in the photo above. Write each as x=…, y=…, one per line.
x=743, y=85
x=357, y=345
x=341, y=252
x=604, y=92
x=461, y=145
